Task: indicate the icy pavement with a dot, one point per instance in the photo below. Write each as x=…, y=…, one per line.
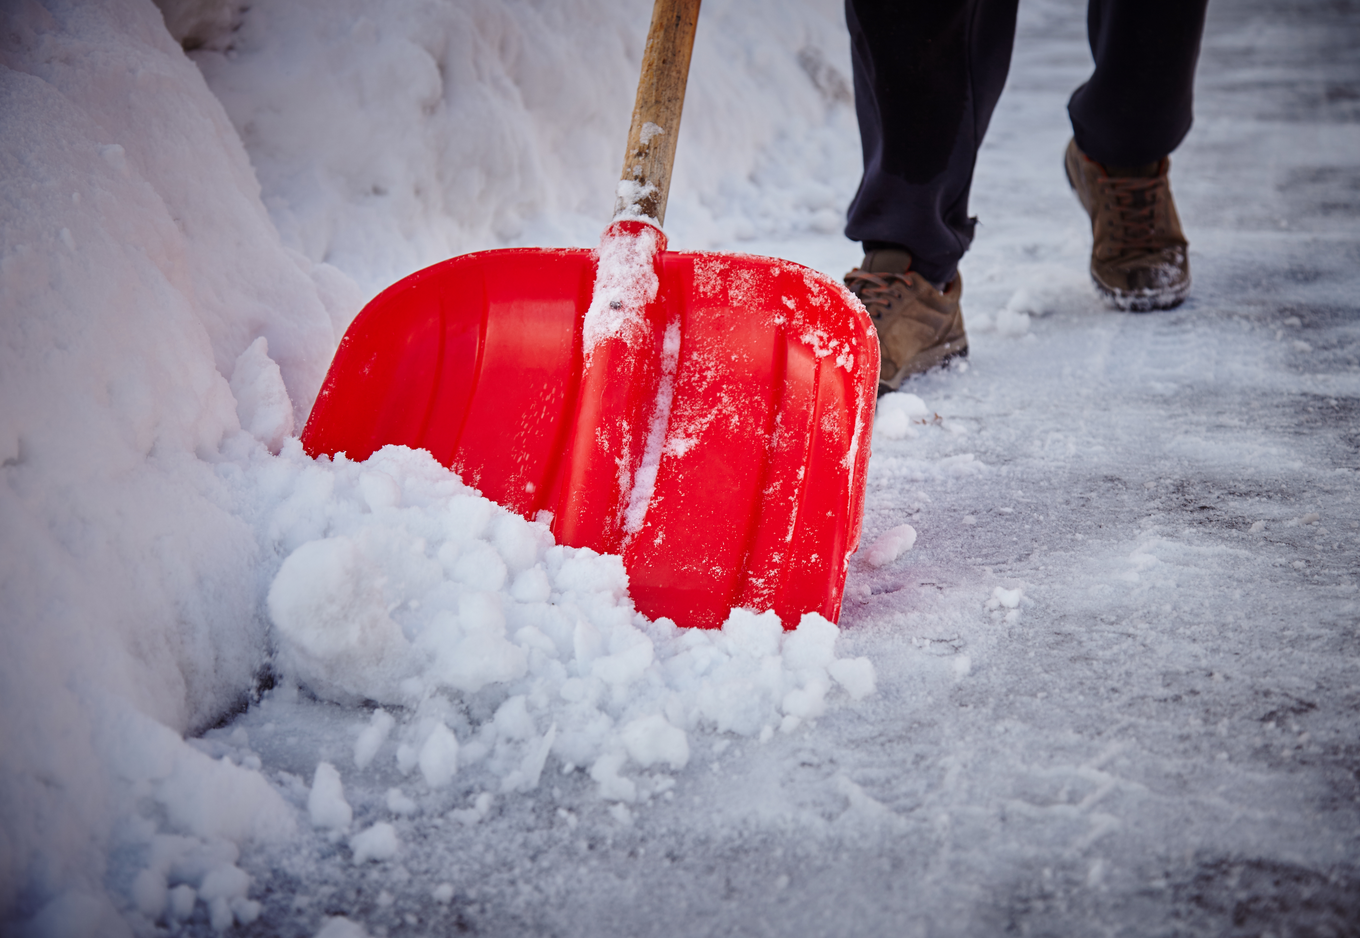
x=1110, y=590
x=1117, y=687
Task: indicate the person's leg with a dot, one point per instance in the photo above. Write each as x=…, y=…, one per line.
x=927, y=76
x=1137, y=106
x=1136, y=109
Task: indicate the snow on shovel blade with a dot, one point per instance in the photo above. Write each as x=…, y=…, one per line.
x=713, y=430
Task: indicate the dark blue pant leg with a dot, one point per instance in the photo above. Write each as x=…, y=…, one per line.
x=1138, y=105
x=928, y=74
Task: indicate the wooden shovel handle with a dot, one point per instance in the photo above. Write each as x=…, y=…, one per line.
x=656, y=113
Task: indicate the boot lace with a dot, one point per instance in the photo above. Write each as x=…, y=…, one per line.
x=877, y=291
x=1135, y=203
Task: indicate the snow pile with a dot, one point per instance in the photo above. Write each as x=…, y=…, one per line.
x=500, y=649
x=388, y=138
x=184, y=820
x=137, y=265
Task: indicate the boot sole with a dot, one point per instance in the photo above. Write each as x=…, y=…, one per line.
x=1142, y=302
x=938, y=356
x=1146, y=301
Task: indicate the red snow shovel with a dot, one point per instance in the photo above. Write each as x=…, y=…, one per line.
x=705, y=415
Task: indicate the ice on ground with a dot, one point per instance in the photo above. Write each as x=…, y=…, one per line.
x=1167, y=728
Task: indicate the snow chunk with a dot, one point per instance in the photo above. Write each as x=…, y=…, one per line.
x=856, y=675
x=893, y=425
x=1002, y=597
x=224, y=891
x=890, y=545
x=341, y=927
x=438, y=759
x=150, y=893
x=807, y=702
x=372, y=737
x=652, y=739
x=895, y=413
x=812, y=644
x=613, y=786
x=378, y=842
x=224, y=882
x=398, y=803
x=326, y=804
x=335, y=633
x=526, y=777
x=481, y=807
x=754, y=635
x=561, y=664
x=181, y=902
x=626, y=666
x=214, y=798
x=262, y=401
x=470, y=651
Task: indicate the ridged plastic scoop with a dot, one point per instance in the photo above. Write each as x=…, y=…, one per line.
x=706, y=415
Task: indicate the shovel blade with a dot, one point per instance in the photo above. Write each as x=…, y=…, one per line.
x=729, y=474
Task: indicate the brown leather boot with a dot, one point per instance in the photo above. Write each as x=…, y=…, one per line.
x=1139, y=259
x=919, y=327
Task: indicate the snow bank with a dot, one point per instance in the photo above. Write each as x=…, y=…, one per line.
x=389, y=138
x=137, y=265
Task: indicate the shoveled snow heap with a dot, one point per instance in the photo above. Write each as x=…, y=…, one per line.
x=407, y=588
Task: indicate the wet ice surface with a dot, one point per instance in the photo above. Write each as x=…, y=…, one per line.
x=1117, y=689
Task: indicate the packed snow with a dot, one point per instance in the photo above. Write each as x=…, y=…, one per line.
x=1095, y=671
